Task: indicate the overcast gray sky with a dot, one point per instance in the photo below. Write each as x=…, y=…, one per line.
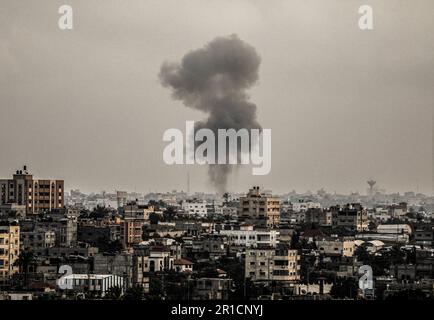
x=344, y=105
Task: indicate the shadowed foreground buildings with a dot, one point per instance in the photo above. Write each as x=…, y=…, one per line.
x=242, y=246
x=9, y=249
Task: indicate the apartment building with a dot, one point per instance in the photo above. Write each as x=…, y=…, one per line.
x=338, y=247
x=9, y=249
x=37, y=195
x=195, y=208
x=260, y=208
x=246, y=236
x=268, y=264
x=132, y=232
x=135, y=211
x=318, y=216
x=39, y=238
x=212, y=288
x=350, y=216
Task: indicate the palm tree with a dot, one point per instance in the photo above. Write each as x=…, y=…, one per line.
x=24, y=261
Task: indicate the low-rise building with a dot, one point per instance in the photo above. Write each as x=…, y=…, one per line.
x=335, y=246
x=96, y=283
x=195, y=208
x=246, y=236
x=9, y=249
x=267, y=264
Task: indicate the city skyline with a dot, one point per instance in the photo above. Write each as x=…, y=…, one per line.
x=344, y=105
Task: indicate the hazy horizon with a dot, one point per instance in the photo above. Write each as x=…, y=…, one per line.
x=344, y=105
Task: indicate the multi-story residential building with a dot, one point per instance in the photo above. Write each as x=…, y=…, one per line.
x=96, y=283
x=342, y=247
x=303, y=206
x=424, y=234
x=259, y=208
x=36, y=195
x=267, y=264
x=394, y=229
x=195, y=208
x=212, y=288
x=248, y=237
x=397, y=210
x=318, y=216
x=41, y=238
x=135, y=211
x=351, y=216
x=132, y=232
x=9, y=249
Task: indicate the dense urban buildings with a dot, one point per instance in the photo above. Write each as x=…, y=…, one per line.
x=178, y=245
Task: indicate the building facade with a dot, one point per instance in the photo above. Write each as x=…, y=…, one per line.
x=260, y=209
x=9, y=250
x=37, y=196
x=268, y=264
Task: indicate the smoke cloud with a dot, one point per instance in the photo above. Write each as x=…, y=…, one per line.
x=214, y=79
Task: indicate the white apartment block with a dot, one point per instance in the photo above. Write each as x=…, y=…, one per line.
x=304, y=206
x=251, y=238
x=195, y=208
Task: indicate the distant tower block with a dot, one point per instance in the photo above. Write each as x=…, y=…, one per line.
x=371, y=184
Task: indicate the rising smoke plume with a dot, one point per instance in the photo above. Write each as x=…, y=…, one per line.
x=214, y=80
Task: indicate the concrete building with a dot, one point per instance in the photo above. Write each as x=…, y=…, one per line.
x=195, y=208
x=183, y=265
x=248, y=237
x=132, y=232
x=394, y=229
x=36, y=195
x=212, y=289
x=260, y=209
x=96, y=283
x=303, y=206
x=9, y=249
x=268, y=264
x=350, y=216
x=397, y=210
x=342, y=247
x=424, y=234
x=133, y=210
x=30, y=240
x=318, y=216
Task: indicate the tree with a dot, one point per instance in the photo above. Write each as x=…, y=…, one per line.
x=114, y=293
x=24, y=261
x=135, y=293
x=362, y=254
x=344, y=288
x=99, y=213
x=154, y=218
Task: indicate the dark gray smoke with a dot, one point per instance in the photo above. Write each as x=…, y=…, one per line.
x=214, y=80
